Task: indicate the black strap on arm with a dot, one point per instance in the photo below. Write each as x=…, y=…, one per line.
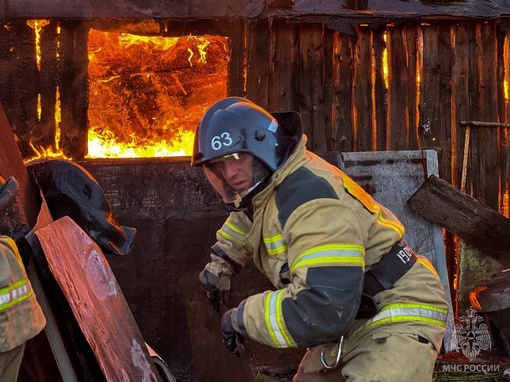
x=384, y=274
x=392, y=266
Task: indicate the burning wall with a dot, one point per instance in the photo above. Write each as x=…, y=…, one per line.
x=129, y=90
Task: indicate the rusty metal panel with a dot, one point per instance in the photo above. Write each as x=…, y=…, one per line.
x=97, y=302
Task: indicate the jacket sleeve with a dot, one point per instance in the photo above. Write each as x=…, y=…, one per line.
x=228, y=252
x=21, y=317
x=325, y=247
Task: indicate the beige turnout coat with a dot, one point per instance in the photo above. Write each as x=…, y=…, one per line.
x=313, y=233
x=21, y=317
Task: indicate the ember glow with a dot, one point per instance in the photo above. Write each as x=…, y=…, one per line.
x=39, y=151
x=147, y=94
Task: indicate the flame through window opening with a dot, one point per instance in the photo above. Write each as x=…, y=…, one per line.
x=146, y=93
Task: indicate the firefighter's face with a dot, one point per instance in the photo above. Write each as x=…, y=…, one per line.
x=237, y=170
x=231, y=175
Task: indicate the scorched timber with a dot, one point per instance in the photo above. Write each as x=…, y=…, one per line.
x=463, y=216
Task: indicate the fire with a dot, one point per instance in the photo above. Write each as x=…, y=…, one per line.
x=38, y=25
x=147, y=93
x=39, y=151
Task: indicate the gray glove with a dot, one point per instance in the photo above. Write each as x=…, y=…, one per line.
x=8, y=209
x=232, y=340
x=216, y=284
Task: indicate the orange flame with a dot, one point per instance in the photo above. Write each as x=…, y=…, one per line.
x=147, y=94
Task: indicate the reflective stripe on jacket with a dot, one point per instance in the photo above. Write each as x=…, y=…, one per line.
x=314, y=233
x=21, y=317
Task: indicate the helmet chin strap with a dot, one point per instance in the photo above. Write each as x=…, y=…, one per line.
x=238, y=201
x=243, y=203
x=251, y=189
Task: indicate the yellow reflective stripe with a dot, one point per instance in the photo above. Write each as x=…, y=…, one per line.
x=409, y=312
x=233, y=233
x=331, y=254
x=395, y=225
x=355, y=190
x=14, y=294
x=274, y=320
x=275, y=245
x=426, y=263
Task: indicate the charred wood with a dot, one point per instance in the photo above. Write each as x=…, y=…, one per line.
x=464, y=216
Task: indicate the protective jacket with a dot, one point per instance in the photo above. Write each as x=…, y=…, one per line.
x=21, y=317
x=313, y=233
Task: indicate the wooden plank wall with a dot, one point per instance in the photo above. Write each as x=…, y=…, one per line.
x=393, y=87
x=388, y=88
x=398, y=88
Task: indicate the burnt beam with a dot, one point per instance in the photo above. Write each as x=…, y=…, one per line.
x=464, y=216
x=74, y=89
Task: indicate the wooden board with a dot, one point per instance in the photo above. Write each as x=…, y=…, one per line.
x=310, y=91
x=11, y=164
x=397, y=118
x=464, y=216
x=85, y=278
x=362, y=92
x=343, y=132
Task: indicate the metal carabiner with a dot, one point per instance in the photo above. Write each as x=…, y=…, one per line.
x=337, y=359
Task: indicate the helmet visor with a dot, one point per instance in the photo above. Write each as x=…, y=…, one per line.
x=234, y=175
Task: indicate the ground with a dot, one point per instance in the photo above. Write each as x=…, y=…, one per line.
x=451, y=367
x=489, y=366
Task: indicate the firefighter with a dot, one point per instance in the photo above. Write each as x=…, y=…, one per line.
x=21, y=317
x=347, y=285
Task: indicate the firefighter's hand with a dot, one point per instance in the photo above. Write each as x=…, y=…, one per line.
x=216, y=285
x=231, y=339
x=8, y=193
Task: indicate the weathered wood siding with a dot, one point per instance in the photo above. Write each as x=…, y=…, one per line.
x=400, y=87
x=392, y=87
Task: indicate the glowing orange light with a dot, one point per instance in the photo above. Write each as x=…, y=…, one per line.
x=147, y=93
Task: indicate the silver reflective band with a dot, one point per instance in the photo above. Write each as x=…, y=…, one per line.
x=10, y=297
x=408, y=313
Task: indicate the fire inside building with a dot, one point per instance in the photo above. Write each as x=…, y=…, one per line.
x=410, y=98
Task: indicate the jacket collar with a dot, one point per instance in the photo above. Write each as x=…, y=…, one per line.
x=296, y=159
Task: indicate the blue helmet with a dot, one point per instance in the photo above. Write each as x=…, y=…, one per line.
x=236, y=130
x=234, y=125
